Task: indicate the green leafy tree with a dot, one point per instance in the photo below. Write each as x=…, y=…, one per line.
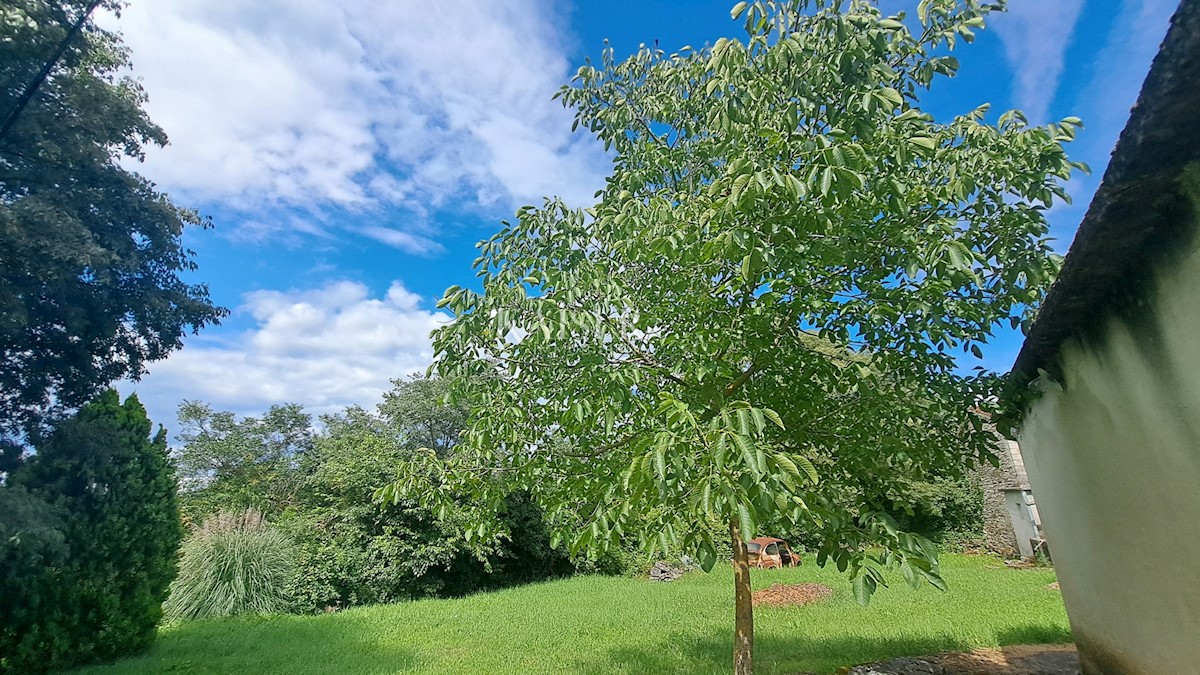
x=318, y=487
x=353, y=550
x=416, y=409
x=31, y=543
x=234, y=464
x=90, y=253
x=110, y=491
x=759, y=319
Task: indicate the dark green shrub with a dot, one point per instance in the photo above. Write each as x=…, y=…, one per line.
x=32, y=545
x=946, y=510
x=235, y=563
x=100, y=530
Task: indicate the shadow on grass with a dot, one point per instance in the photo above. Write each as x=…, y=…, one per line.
x=280, y=645
x=776, y=655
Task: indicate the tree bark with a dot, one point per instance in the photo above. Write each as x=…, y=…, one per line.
x=743, y=606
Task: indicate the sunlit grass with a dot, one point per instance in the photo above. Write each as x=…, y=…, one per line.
x=615, y=625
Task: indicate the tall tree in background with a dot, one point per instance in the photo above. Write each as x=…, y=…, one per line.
x=759, y=319
x=417, y=411
x=103, y=482
x=232, y=464
x=90, y=253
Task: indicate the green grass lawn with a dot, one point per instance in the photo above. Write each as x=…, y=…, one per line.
x=616, y=625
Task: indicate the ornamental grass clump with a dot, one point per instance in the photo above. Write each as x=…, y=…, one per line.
x=235, y=563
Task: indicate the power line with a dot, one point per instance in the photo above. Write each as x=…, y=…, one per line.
x=32, y=87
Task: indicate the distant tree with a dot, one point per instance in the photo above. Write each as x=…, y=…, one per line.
x=232, y=464
x=90, y=253
x=108, y=488
x=317, y=483
x=417, y=409
x=758, y=320
x=353, y=550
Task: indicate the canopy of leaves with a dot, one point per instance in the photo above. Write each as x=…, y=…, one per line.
x=760, y=316
x=226, y=463
x=90, y=253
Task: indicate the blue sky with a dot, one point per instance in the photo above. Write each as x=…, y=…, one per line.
x=350, y=154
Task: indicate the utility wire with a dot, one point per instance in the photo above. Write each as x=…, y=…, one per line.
x=32, y=87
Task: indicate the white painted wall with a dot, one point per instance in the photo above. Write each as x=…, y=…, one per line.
x=1114, y=459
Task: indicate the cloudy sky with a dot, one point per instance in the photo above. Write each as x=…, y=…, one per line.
x=351, y=153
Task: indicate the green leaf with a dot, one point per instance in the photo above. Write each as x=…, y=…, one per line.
x=773, y=416
x=746, y=521
x=826, y=180
x=786, y=464
x=759, y=421
x=923, y=142
x=706, y=553
x=864, y=587
x=743, y=422
x=806, y=466
x=933, y=578
x=960, y=255
x=746, y=445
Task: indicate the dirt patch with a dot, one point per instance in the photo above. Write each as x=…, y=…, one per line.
x=1053, y=586
x=791, y=595
x=1013, y=660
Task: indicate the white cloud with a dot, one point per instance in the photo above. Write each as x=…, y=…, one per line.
x=359, y=104
x=1035, y=34
x=326, y=348
x=1104, y=104
x=404, y=241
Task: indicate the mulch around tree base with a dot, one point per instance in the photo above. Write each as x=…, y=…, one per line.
x=1012, y=660
x=789, y=595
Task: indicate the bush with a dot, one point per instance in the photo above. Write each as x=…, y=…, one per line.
x=946, y=510
x=32, y=544
x=91, y=541
x=233, y=564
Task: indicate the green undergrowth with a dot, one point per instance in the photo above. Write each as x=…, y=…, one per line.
x=597, y=625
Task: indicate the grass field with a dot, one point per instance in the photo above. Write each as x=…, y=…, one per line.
x=598, y=625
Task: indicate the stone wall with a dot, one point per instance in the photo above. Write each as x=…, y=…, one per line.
x=998, y=535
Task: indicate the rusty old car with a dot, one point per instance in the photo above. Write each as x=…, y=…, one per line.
x=769, y=552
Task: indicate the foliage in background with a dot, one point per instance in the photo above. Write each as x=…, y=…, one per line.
x=318, y=488
x=946, y=510
x=416, y=412
x=91, y=547
x=759, y=319
x=90, y=253
x=229, y=464
x=235, y=563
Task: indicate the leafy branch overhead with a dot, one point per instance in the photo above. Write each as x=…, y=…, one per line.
x=759, y=319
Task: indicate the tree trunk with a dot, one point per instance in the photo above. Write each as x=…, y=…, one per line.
x=743, y=606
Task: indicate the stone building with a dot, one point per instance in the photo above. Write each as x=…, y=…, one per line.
x=1011, y=524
